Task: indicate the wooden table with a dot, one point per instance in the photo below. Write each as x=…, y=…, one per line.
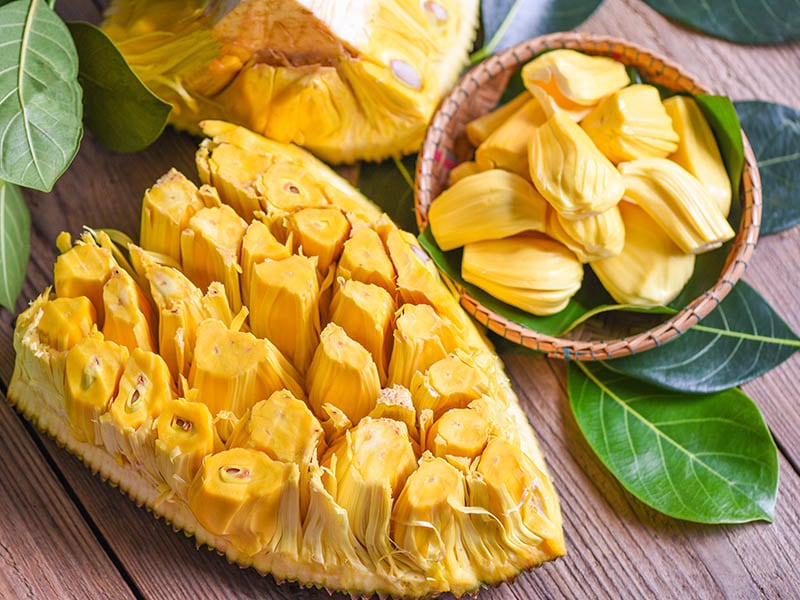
x=66, y=534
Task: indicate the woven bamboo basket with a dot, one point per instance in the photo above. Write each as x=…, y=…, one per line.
x=446, y=146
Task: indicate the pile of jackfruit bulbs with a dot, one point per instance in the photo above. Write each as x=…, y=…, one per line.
x=585, y=167
x=278, y=370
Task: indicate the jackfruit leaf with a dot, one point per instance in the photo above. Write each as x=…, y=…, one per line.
x=752, y=22
x=390, y=184
x=40, y=98
x=707, y=458
x=774, y=134
x=119, y=110
x=740, y=340
x=15, y=243
x=591, y=296
x=508, y=22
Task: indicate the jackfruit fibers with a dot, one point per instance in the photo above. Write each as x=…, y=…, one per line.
x=350, y=80
x=280, y=371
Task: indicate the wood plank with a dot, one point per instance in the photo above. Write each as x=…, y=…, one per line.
x=47, y=550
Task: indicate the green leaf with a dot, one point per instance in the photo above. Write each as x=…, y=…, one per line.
x=774, y=134
x=119, y=110
x=751, y=22
x=508, y=22
x=706, y=458
x=40, y=99
x=390, y=184
x=739, y=341
x=15, y=243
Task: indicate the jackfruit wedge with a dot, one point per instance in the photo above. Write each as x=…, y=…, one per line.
x=353, y=431
x=348, y=80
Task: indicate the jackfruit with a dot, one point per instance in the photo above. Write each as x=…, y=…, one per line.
x=570, y=82
x=319, y=474
x=351, y=81
x=678, y=202
x=479, y=129
x=490, y=205
x=590, y=238
x=651, y=270
x=507, y=146
x=697, y=150
x=570, y=172
x=630, y=124
x=529, y=271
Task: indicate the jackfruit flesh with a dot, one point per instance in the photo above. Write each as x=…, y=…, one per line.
x=348, y=80
x=315, y=442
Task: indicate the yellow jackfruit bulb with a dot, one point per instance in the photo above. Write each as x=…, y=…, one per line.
x=185, y=437
x=421, y=337
x=571, y=82
x=489, y=205
x=651, y=270
x=458, y=432
x=461, y=170
x=630, y=124
x=210, y=247
x=129, y=318
x=180, y=306
x=283, y=427
x=343, y=374
x=395, y=403
x=248, y=498
x=697, y=150
x=166, y=210
x=364, y=259
x=427, y=524
x=258, y=245
x=93, y=370
x=287, y=188
x=678, y=202
x=216, y=306
x=366, y=313
x=234, y=160
x=529, y=271
x=570, y=172
x=447, y=384
x=225, y=368
x=370, y=466
x=351, y=84
x=144, y=388
x=479, y=129
x=319, y=232
x=65, y=321
x=83, y=270
x=590, y=238
x=512, y=488
x=507, y=147
x=284, y=305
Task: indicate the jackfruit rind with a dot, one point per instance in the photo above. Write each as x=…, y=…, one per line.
x=349, y=81
x=320, y=513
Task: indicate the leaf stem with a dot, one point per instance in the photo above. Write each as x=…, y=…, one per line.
x=747, y=336
x=404, y=172
x=488, y=48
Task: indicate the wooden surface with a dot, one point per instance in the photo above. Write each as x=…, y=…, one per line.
x=66, y=534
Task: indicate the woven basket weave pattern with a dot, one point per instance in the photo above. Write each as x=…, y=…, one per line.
x=446, y=145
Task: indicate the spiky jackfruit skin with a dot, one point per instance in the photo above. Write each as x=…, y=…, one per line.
x=231, y=439
x=348, y=80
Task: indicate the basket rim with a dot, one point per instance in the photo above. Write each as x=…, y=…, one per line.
x=574, y=349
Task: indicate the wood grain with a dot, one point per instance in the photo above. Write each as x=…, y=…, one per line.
x=88, y=540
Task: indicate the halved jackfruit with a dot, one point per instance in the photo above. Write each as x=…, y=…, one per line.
x=315, y=474
x=349, y=81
